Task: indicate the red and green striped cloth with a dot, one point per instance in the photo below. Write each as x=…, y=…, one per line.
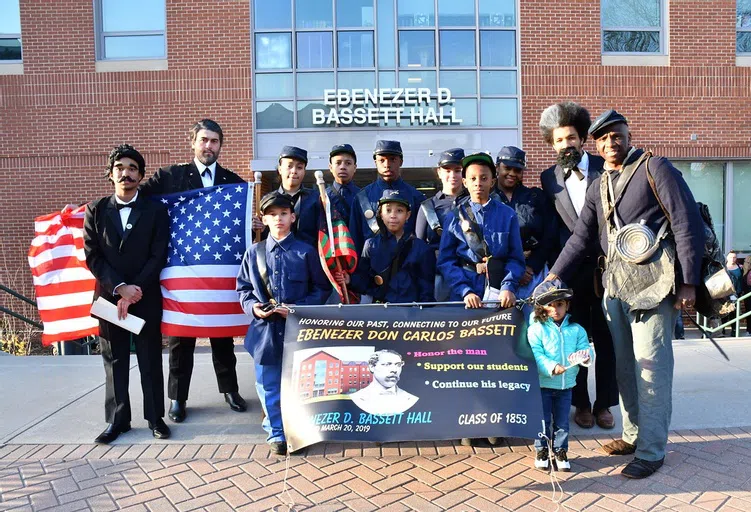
x=342, y=248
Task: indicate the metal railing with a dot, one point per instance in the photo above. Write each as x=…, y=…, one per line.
x=702, y=320
x=12, y=313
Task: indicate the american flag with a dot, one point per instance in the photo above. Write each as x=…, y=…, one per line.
x=210, y=229
x=63, y=284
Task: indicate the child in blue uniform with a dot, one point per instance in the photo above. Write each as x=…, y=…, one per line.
x=276, y=271
x=395, y=266
x=481, y=247
x=554, y=337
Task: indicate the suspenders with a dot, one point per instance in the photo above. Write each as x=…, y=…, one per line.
x=263, y=269
x=428, y=209
x=365, y=206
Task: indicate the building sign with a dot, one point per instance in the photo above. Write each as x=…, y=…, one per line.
x=361, y=107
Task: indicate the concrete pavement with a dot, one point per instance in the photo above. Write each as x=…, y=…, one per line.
x=51, y=409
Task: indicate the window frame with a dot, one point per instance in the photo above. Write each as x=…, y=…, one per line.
x=662, y=32
x=13, y=35
x=737, y=32
x=100, y=36
x=395, y=69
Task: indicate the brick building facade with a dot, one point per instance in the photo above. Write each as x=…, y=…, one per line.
x=63, y=105
x=322, y=374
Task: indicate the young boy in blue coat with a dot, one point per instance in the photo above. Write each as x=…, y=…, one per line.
x=481, y=256
x=559, y=346
x=395, y=266
x=277, y=271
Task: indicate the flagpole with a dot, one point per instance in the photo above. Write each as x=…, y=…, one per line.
x=327, y=210
x=256, y=200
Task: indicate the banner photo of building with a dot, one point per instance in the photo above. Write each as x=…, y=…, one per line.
x=373, y=374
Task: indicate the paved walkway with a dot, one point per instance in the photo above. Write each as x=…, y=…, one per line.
x=51, y=408
x=705, y=470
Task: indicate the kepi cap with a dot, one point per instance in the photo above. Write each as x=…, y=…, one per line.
x=451, y=156
x=551, y=291
x=512, y=157
x=387, y=147
x=343, y=148
x=294, y=152
x=607, y=118
x=275, y=198
x=393, y=196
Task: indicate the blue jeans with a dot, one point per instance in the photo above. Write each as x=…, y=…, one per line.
x=644, y=369
x=556, y=407
x=269, y=387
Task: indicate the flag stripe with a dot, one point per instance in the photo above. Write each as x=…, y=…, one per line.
x=203, y=332
x=54, y=315
x=205, y=283
x=225, y=296
x=204, y=308
x=52, y=289
x=191, y=320
x=52, y=302
x=70, y=325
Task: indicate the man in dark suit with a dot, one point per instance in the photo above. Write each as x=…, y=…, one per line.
x=206, y=139
x=564, y=126
x=125, y=242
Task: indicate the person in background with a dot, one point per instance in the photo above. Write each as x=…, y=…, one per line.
x=433, y=211
x=735, y=272
x=536, y=220
x=554, y=338
x=343, y=166
x=746, y=289
x=388, y=158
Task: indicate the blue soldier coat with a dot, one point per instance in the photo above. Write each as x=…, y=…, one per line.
x=536, y=222
x=358, y=224
x=307, y=212
x=295, y=277
x=342, y=197
x=442, y=204
x=414, y=280
x=500, y=229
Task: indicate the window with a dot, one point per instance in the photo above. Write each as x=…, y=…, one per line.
x=741, y=232
x=632, y=26
x=10, y=31
x=303, y=48
x=743, y=26
x=131, y=30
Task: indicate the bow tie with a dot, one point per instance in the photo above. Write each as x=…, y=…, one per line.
x=576, y=171
x=206, y=173
x=120, y=206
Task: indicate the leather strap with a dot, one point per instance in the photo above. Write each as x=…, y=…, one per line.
x=263, y=269
x=428, y=209
x=365, y=205
x=474, y=237
x=393, y=269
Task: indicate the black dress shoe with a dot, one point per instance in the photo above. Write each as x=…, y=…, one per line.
x=177, y=411
x=235, y=401
x=111, y=433
x=160, y=429
x=640, y=468
x=279, y=447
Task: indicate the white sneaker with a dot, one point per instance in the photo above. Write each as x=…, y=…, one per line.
x=542, y=460
x=561, y=460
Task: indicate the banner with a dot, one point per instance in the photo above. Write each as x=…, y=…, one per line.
x=364, y=374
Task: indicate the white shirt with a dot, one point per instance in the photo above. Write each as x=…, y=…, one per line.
x=124, y=216
x=125, y=212
x=577, y=189
x=208, y=181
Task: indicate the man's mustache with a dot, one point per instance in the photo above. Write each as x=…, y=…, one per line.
x=126, y=178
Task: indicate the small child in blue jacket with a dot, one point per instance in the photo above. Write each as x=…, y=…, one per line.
x=559, y=346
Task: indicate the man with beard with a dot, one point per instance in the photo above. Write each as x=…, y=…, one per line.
x=639, y=197
x=564, y=126
x=206, y=139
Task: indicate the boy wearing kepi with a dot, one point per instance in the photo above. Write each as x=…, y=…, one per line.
x=275, y=272
x=395, y=266
x=560, y=346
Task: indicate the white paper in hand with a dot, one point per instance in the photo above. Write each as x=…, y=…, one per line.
x=578, y=358
x=491, y=295
x=102, y=308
